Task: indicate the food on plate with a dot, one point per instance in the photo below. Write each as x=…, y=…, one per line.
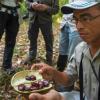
x=39, y=84
x=29, y=81
x=30, y=78
x=21, y=87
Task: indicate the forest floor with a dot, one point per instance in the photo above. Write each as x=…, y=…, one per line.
x=20, y=53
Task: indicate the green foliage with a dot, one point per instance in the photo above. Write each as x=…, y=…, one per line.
x=62, y=2
x=6, y=78
x=59, y=15
x=23, y=8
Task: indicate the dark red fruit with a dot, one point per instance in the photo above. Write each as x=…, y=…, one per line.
x=33, y=86
x=27, y=88
x=30, y=78
x=41, y=84
x=46, y=83
x=21, y=87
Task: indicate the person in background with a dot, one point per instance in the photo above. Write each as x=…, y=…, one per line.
x=40, y=14
x=9, y=25
x=63, y=44
x=69, y=38
x=85, y=61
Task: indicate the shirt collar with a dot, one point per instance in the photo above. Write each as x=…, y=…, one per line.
x=87, y=53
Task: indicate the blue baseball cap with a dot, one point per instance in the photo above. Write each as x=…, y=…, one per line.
x=77, y=5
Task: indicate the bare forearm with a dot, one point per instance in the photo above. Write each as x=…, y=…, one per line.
x=61, y=78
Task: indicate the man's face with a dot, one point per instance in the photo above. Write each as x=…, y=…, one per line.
x=88, y=24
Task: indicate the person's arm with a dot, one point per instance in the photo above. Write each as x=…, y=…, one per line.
x=50, y=73
x=61, y=78
x=43, y=7
x=54, y=8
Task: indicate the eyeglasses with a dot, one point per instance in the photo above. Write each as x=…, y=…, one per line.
x=85, y=18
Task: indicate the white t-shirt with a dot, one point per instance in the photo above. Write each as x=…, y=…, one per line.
x=11, y=3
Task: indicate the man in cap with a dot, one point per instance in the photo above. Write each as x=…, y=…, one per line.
x=85, y=62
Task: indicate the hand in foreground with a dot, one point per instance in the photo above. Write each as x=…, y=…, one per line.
x=40, y=7
x=51, y=95
x=48, y=72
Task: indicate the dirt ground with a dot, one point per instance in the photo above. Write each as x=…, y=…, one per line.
x=22, y=45
x=20, y=53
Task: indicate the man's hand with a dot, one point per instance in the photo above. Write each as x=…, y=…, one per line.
x=39, y=7
x=51, y=95
x=48, y=72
